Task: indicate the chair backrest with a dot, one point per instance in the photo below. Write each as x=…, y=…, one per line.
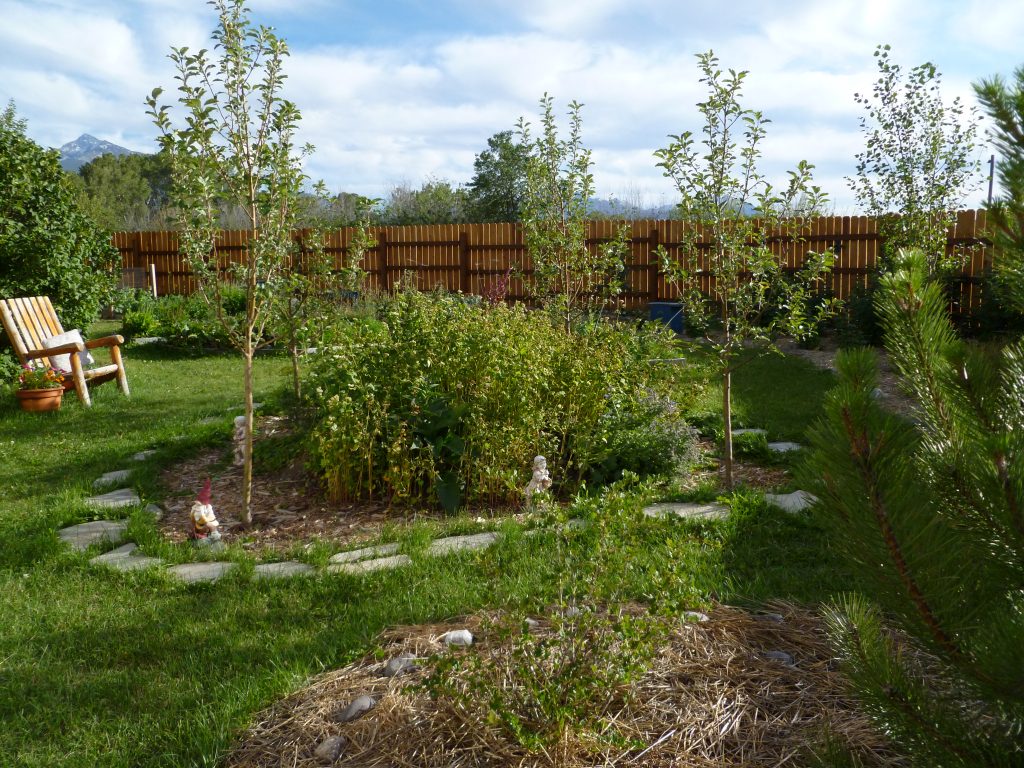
x=28, y=323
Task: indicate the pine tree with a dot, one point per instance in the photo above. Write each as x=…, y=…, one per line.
x=1004, y=104
x=931, y=514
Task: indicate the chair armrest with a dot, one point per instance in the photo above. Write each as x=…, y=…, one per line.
x=106, y=341
x=63, y=349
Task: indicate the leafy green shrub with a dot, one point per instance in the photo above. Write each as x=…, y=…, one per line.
x=439, y=399
x=48, y=247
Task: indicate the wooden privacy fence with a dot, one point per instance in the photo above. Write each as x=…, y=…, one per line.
x=472, y=258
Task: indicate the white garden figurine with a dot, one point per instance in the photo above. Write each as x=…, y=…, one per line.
x=540, y=481
x=204, y=521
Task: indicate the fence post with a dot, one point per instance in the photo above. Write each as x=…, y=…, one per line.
x=385, y=269
x=652, y=266
x=464, y=282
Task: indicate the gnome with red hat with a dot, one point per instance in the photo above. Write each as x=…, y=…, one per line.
x=204, y=522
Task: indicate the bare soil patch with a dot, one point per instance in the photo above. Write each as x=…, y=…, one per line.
x=713, y=696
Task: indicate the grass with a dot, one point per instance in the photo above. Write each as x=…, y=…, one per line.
x=100, y=668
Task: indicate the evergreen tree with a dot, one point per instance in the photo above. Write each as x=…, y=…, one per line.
x=931, y=515
x=499, y=180
x=1005, y=106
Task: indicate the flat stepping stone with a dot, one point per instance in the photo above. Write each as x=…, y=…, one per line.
x=750, y=431
x=156, y=511
x=122, y=497
x=461, y=543
x=381, y=550
x=144, y=340
x=124, y=559
x=111, y=478
x=784, y=447
x=797, y=501
x=688, y=511
x=368, y=566
x=192, y=573
x=143, y=455
x=82, y=536
x=284, y=570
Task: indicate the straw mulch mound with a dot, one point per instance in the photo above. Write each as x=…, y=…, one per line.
x=713, y=696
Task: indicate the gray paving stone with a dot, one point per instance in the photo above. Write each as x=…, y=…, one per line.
x=122, y=497
x=796, y=501
x=283, y=570
x=367, y=566
x=749, y=431
x=124, y=559
x=784, y=447
x=688, y=510
x=461, y=543
x=125, y=550
x=196, y=572
x=143, y=455
x=381, y=550
x=156, y=511
x=80, y=537
x=116, y=477
x=144, y=340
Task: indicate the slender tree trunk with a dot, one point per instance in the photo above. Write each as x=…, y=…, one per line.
x=247, y=464
x=727, y=418
x=295, y=371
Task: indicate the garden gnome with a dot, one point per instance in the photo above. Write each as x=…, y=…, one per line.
x=541, y=480
x=204, y=522
x=239, y=440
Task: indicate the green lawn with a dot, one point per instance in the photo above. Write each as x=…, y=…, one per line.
x=100, y=668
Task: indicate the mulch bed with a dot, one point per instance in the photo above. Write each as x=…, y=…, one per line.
x=711, y=697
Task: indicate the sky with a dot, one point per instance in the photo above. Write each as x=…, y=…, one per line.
x=402, y=91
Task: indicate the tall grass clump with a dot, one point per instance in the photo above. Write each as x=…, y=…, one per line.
x=437, y=399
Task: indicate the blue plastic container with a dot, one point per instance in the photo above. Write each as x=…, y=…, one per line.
x=668, y=312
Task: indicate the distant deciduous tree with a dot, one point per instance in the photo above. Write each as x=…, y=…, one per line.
x=499, y=180
x=436, y=202
x=918, y=162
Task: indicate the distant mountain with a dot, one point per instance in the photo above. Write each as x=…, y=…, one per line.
x=77, y=153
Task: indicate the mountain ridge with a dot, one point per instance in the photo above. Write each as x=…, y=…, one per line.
x=87, y=147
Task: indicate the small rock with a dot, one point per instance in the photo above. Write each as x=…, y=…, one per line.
x=111, y=478
x=143, y=455
x=572, y=612
x=461, y=637
x=782, y=656
x=356, y=708
x=406, y=662
x=784, y=447
x=532, y=625
x=877, y=394
x=330, y=749
x=775, y=618
x=696, y=616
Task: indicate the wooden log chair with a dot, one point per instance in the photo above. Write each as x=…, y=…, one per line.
x=31, y=323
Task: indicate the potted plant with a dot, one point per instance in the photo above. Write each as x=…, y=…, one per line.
x=40, y=389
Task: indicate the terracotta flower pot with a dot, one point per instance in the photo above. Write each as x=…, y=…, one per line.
x=40, y=399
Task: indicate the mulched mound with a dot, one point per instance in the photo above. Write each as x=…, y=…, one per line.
x=713, y=696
